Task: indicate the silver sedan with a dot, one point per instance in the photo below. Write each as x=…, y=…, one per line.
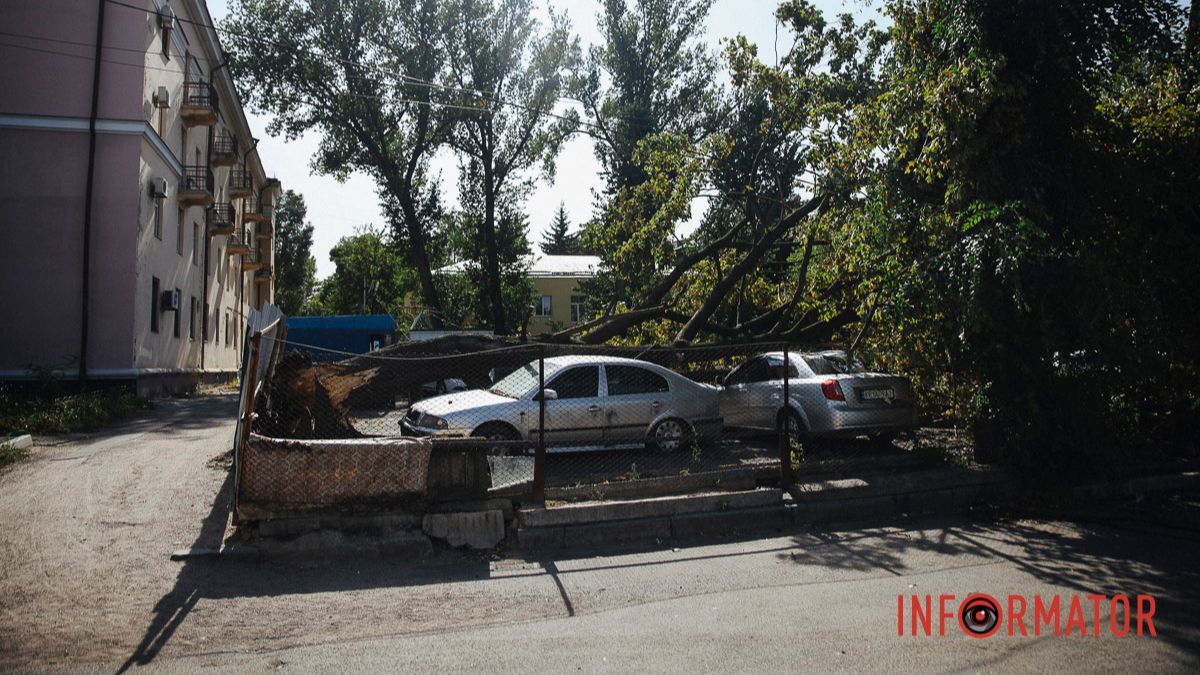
x=828, y=396
x=592, y=402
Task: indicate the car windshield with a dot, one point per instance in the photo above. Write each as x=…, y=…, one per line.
x=520, y=381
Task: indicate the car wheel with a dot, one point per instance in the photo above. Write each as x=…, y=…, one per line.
x=790, y=423
x=670, y=435
x=497, y=431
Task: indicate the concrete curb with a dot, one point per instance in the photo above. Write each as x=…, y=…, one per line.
x=1139, y=485
x=730, y=479
x=21, y=442
x=599, y=512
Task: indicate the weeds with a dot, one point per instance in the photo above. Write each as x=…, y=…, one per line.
x=50, y=411
x=11, y=454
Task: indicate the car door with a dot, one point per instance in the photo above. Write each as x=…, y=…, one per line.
x=738, y=396
x=576, y=417
x=635, y=396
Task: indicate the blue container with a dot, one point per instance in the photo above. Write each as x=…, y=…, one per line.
x=353, y=334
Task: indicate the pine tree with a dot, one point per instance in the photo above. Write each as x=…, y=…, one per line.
x=556, y=241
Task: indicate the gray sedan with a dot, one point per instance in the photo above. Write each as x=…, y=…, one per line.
x=829, y=396
x=592, y=402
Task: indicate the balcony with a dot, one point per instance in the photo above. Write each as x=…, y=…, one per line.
x=254, y=211
x=196, y=186
x=224, y=150
x=221, y=219
x=199, y=108
x=241, y=184
x=252, y=260
x=265, y=229
x=238, y=243
x=264, y=275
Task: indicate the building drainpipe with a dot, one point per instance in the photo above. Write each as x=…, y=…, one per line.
x=87, y=201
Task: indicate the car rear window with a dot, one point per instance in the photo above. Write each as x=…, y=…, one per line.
x=828, y=364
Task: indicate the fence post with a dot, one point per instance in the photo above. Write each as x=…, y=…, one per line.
x=250, y=387
x=539, y=453
x=785, y=439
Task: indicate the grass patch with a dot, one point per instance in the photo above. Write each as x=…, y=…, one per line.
x=11, y=454
x=40, y=413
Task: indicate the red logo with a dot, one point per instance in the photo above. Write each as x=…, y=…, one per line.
x=982, y=616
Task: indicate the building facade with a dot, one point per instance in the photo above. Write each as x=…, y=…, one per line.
x=558, y=300
x=136, y=219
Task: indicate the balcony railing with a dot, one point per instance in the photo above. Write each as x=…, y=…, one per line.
x=264, y=275
x=252, y=260
x=222, y=219
x=224, y=150
x=196, y=186
x=238, y=243
x=265, y=229
x=252, y=209
x=199, y=107
x=241, y=183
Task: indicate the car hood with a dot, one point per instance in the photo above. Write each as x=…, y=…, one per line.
x=461, y=401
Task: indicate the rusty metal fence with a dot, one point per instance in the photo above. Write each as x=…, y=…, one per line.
x=472, y=418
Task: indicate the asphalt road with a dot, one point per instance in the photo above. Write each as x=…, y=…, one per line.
x=87, y=525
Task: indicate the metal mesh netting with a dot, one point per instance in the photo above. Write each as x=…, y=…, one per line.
x=574, y=422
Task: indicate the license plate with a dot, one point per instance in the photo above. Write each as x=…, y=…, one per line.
x=878, y=394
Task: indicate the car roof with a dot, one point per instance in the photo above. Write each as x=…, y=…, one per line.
x=835, y=353
x=589, y=360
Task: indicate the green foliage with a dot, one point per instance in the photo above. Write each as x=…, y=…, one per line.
x=371, y=277
x=558, y=240
x=47, y=409
x=295, y=266
x=10, y=454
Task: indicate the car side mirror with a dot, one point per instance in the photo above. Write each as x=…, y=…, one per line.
x=547, y=395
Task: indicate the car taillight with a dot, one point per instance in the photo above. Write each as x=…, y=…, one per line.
x=832, y=390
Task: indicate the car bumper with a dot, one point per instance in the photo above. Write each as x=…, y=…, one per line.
x=855, y=421
x=409, y=429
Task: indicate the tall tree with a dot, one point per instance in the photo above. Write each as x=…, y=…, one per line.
x=295, y=266
x=558, y=240
x=501, y=52
x=370, y=277
x=648, y=74
x=357, y=74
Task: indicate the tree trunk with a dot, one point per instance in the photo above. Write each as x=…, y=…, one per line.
x=492, y=254
x=420, y=259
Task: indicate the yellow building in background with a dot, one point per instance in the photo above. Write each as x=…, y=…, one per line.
x=559, y=303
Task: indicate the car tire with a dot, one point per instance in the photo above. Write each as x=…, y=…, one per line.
x=671, y=435
x=497, y=431
x=790, y=422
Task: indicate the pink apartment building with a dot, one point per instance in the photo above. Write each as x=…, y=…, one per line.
x=150, y=281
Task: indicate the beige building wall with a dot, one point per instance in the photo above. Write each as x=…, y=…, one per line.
x=560, y=290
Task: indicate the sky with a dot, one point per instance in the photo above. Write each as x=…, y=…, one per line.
x=337, y=209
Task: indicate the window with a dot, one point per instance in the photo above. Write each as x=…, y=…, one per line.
x=775, y=367
x=166, y=21
x=196, y=244
x=228, y=327
x=179, y=233
x=577, y=303
x=192, y=319
x=543, y=306
x=628, y=380
x=158, y=216
x=176, y=312
x=581, y=382
x=155, y=290
x=754, y=371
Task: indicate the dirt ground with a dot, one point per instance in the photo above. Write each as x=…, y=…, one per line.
x=88, y=523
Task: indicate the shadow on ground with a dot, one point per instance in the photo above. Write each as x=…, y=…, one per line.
x=1108, y=552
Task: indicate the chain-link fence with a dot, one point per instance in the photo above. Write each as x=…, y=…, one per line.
x=573, y=422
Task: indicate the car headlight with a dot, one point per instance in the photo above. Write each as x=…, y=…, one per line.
x=433, y=421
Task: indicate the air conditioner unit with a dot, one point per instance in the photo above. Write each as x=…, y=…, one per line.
x=170, y=301
x=158, y=188
x=166, y=18
x=162, y=98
